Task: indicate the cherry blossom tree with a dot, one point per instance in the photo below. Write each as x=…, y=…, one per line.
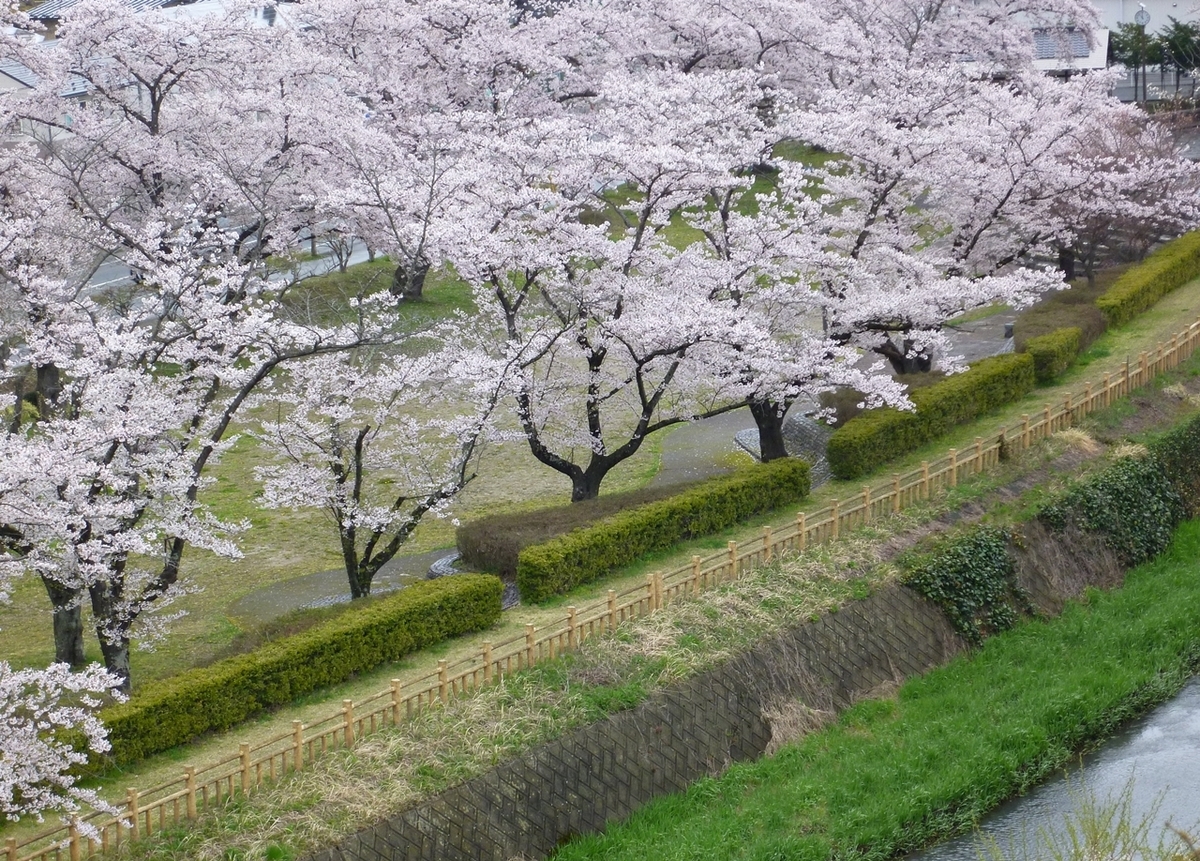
x=567, y=240
x=179, y=167
x=362, y=441
x=43, y=714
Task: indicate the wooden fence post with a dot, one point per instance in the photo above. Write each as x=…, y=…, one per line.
x=1143, y=368
x=895, y=493
x=1024, y=431
x=954, y=467
x=978, y=455
x=297, y=745
x=189, y=773
x=612, y=609
x=571, y=641
x=1068, y=409
x=131, y=809
x=924, y=479
x=348, y=723
x=529, y=629
x=767, y=544
x=1107, y=399
x=650, y=593
x=487, y=662
x=10, y=848
x=866, y=498
x=658, y=590
x=394, y=688
x=443, y=682
x=733, y=560
x=1046, y=429
x=73, y=839
x=837, y=518
x=244, y=760
x=695, y=576
x=802, y=531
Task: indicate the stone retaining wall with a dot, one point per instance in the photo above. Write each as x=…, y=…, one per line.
x=528, y=806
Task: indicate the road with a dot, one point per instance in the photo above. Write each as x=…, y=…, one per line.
x=113, y=273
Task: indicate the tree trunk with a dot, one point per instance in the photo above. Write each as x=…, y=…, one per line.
x=409, y=283
x=901, y=361
x=49, y=389
x=68, y=624
x=112, y=632
x=358, y=577
x=116, y=659
x=1066, y=263
x=585, y=484
x=769, y=417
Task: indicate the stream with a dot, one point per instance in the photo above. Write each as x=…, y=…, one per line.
x=1157, y=758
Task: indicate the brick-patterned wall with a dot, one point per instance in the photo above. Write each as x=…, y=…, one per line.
x=529, y=805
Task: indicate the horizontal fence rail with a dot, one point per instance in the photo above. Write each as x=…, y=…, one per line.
x=210, y=786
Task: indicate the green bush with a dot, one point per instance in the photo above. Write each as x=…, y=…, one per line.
x=494, y=543
x=1167, y=269
x=1131, y=503
x=1063, y=309
x=1178, y=453
x=563, y=563
x=972, y=577
x=872, y=439
x=217, y=697
x=1052, y=354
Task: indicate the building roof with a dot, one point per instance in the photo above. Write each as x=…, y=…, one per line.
x=52, y=10
x=75, y=85
x=1060, y=44
x=1069, y=50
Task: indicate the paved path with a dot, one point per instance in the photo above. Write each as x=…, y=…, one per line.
x=696, y=451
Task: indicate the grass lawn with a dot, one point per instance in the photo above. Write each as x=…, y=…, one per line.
x=893, y=775
x=282, y=544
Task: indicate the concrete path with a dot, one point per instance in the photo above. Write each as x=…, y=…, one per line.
x=693, y=452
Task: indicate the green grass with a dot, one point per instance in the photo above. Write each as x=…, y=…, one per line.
x=894, y=775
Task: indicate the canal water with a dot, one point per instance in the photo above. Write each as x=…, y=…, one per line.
x=1156, y=759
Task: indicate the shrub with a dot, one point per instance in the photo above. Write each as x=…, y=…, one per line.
x=217, y=697
x=1131, y=503
x=494, y=543
x=1178, y=452
x=1166, y=269
x=587, y=554
x=865, y=443
x=1073, y=307
x=972, y=577
x=1052, y=354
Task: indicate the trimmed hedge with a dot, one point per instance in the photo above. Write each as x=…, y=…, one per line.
x=217, y=697
x=494, y=543
x=872, y=439
x=561, y=564
x=1052, y=354
x=1167, y=269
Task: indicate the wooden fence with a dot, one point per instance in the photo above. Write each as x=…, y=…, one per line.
x=200, y=789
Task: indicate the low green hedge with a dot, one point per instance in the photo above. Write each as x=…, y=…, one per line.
x=1052, y=354
x=561, y=564
x=872, y=439
x=1167, y=269
x=217, y=697
x=494, y=543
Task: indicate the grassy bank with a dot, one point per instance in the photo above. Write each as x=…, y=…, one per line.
x=895, y=774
